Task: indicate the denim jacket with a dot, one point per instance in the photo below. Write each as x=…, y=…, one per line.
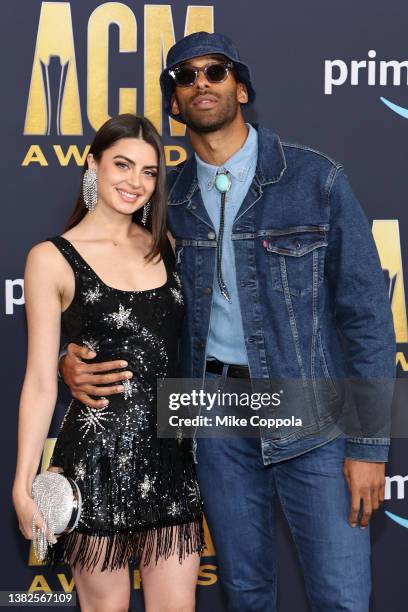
x=312, y=294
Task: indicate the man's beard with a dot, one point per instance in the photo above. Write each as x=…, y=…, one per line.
x=224, y=117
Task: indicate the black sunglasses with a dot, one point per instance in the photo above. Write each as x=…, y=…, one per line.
x=186, y=76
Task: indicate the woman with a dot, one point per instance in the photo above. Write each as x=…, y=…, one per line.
x=110, y=278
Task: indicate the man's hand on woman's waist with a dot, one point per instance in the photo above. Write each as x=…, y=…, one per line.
x=85, y=379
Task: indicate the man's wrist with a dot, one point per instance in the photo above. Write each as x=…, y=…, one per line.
x=373, y=450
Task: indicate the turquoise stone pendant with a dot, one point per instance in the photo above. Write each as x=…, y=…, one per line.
x=223, y=182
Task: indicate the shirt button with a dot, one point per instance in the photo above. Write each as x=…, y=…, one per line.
x=207, y=290
x=211, y=235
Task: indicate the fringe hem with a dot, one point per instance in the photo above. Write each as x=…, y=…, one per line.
x=85, y=549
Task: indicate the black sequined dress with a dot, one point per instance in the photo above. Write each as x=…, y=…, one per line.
x=140, y=494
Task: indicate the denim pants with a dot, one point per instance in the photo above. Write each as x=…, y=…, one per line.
x=239, y=495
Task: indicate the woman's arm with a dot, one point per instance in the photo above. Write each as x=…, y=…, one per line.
x=42, y=288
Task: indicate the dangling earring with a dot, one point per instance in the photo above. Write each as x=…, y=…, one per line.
x=89, y=189
x=146, y=210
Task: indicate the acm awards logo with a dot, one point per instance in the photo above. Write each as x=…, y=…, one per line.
x=387, y=238
x=56, y=106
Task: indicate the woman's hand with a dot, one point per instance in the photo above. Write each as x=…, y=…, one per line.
x=25, y=508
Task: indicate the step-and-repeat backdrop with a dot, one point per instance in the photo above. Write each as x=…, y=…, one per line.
x=333, y=76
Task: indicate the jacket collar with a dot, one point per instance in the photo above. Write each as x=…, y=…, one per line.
x=270, y=167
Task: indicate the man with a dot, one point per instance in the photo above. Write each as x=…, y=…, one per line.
x=282, y=281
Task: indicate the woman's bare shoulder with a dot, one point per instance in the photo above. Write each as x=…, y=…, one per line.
x=45, y=257
x=42, y=251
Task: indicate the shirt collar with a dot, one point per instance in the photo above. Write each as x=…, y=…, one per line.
x=238, y=165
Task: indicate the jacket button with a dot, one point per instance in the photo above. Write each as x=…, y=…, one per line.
x=207, y=290
x=297, y=245
x=211, y=235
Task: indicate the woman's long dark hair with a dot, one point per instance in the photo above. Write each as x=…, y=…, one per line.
x=132, y=126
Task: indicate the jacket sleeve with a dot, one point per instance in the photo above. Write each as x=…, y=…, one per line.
x=364, y=320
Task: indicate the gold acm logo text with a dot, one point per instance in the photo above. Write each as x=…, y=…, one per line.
x=54, y=101
x=387, y=238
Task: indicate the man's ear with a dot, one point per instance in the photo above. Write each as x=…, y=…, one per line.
x=174, y=105
x=242, y=93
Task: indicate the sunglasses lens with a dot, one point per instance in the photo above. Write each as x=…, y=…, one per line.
x=185, y=77
x=216, y=73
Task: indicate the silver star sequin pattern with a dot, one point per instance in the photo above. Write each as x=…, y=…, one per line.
x=177, y=278
x=92, y=295
x=93, y=345
x=128, y=388
x=193, y=493
x=80, y=471
x=176, y=293
x=92, y=418
x=174, y=509
x=123, y=460
x=121, y=317
x=146, y=486
x=119, y=517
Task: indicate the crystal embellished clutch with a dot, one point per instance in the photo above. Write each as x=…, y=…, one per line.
x=59, y=501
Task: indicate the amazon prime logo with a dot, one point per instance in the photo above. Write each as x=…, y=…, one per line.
x=371, y=71
x=395, y=487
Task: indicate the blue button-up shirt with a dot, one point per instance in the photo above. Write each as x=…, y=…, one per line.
x=226, y=336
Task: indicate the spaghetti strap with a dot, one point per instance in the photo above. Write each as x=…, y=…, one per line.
x=68, y=251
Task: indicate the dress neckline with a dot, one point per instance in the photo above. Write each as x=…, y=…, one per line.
x=163, y=286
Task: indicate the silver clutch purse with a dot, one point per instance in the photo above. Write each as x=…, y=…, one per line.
x=59, y=501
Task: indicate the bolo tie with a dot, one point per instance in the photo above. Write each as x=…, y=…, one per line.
x=223, y=185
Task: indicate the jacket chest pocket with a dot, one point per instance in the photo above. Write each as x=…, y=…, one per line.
x=296, y=258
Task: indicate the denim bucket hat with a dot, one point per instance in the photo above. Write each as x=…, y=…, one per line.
x=202, y=43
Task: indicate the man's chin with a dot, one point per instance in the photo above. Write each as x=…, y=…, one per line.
x=205, y=125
